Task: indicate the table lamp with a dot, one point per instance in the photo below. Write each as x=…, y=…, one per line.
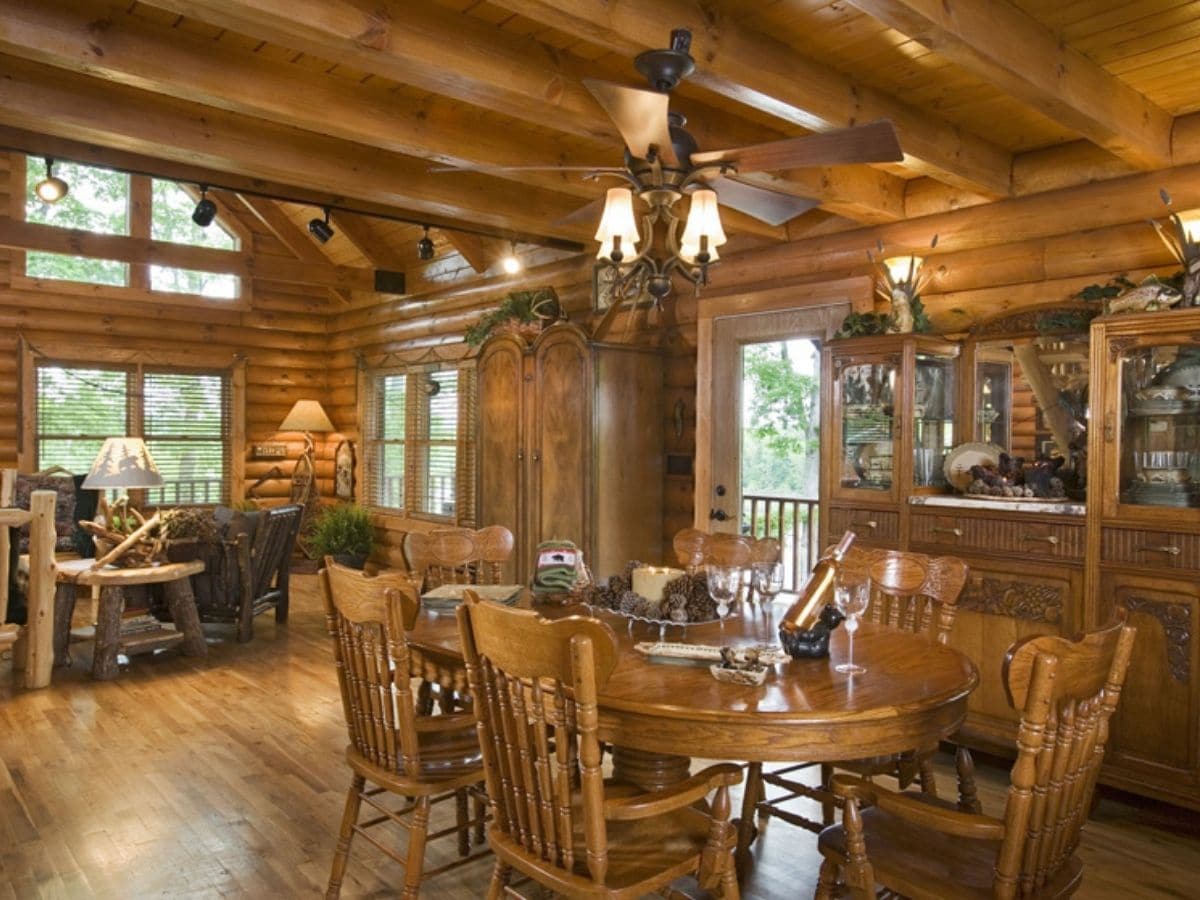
x=123, y=462
x=307, y=416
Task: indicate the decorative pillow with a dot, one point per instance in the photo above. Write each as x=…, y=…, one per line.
x=64, y=511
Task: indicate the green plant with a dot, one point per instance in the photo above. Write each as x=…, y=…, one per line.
x=539, y=305
x=342, y=529
x=861, y=324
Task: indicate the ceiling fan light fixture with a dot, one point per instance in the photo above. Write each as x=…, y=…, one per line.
x=205, y=210
x=703, y=233
x=617, y=232
x=321, y=229
x=51, y=189
x=425, y=247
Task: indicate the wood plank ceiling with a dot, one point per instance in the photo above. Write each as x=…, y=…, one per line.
x=350, y=102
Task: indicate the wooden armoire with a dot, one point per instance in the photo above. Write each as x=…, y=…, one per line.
x=571, y=446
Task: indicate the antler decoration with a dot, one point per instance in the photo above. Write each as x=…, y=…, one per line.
x=900, y=282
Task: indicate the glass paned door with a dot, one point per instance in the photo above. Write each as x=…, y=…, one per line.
x=868, y=426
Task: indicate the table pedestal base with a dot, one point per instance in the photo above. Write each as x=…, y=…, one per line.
x=649, y=771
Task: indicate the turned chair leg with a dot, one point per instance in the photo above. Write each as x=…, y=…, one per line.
x=481, y=809
x=968, y=797
x=462, y=818
x=747, y=831
x=500, y=876
x=828, y=805
x=827, y=880
x=414, y=864
x=928, y=780
x=345, y=835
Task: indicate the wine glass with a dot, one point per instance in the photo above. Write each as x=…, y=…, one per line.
x=723, y=584
x=768, y=579
x=851, y=601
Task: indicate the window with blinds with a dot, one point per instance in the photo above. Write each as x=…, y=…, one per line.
x=184, y=417
x=419, y=429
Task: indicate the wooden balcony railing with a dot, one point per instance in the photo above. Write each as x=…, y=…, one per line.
x=793, y=522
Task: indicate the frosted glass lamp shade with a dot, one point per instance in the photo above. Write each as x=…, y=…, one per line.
x=903, y=269
x=307, y=415
x=617, y=221
x=1190, y=219
x=123, y=462
x=704, y=221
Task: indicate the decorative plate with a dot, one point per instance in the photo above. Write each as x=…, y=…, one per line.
x=959, y=461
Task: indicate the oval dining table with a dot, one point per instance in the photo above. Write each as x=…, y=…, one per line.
x=657, y=715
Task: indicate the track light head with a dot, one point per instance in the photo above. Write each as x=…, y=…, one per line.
x=425, y=246
x=320, y=228
x=51, y=189
x=205, y=210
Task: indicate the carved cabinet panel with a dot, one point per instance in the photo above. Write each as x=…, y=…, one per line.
x=1154, y=733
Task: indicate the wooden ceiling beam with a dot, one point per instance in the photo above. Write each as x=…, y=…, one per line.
x=84, y=109
x=377, y=251
x=479, y=253
x=766, y=74
x=1010, y=49
x=285, y=230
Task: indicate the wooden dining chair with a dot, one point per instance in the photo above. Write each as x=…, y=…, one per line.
x=421, y=761
x=694, y=548
x=460, y=555
x=554, y=819
x=909, y=591
x=918, y=846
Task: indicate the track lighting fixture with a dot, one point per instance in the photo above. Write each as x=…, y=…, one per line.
x=511, y=264
x=51, y=189
x=425, y=246
x=205, y=210
x=320, y=228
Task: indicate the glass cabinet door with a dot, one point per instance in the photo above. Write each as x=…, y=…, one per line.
x=934, y=379
x=1158, y=436
x=868, y=404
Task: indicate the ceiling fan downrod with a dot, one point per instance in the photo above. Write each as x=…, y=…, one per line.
x=664, y=69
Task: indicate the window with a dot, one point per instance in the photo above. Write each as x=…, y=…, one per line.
x=419, y=427
x=184, y=417
x=99, y=201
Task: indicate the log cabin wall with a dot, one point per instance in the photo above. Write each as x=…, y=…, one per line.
x=281, y=336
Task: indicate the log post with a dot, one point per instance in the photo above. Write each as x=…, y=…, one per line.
x=183, y=613
x=39, y=627
x=108, y=633
x=64, y=611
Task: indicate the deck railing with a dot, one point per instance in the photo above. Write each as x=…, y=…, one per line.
x=790, y=520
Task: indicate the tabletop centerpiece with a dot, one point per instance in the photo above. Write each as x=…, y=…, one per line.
x=677, y=597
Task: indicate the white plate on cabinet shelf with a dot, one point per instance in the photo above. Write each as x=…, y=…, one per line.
x=959, y=461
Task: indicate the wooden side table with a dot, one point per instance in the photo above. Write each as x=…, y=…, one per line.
x=109, y=639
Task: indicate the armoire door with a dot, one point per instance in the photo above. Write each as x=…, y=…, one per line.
x=560, y=444
x=502, y=445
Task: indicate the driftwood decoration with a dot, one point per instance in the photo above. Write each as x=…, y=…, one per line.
x=124, y=537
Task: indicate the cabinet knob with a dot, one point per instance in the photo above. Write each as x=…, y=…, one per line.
x=1169, y=549
x=956, y=532
x=870, y=524
x=520, y=454
x=1050, y=539
x=537, y=456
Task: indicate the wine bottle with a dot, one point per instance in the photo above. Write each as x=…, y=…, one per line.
x=803, y=614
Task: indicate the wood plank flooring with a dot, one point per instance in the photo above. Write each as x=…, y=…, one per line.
x=224, y=778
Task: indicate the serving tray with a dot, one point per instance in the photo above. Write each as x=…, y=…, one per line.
x=767, y=653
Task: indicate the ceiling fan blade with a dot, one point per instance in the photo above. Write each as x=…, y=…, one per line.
x=640, y=116
x=767, y=206
x=876, y=142
x=489, y=169
x=588, y=213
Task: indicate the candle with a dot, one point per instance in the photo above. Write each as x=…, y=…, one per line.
x=650, y=581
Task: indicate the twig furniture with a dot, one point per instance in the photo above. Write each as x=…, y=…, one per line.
x=110, y=641
x=36, y=656
x=536, y=685
x=421, y=760
x=460, y=555
x=910, y=592
x=917, y=846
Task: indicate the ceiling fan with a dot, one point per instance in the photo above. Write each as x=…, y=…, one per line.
x=663, y=162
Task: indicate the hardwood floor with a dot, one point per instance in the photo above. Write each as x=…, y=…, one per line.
x=223, y=778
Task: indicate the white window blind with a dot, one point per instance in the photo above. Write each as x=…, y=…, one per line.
x=77, y=408
x=419, y=429
x=186, y=428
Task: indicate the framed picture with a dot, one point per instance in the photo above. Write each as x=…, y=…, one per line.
x=603, y=278
x=343, y=471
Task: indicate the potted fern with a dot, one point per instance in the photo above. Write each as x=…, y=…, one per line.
x=525, y=312
x=344, y=532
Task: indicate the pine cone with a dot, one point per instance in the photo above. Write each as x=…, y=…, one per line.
x=628, y=603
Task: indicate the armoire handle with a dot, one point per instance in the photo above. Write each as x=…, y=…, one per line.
x=537, y=456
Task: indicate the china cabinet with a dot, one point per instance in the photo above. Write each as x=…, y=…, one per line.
x=570, y=446
x=1144, y=539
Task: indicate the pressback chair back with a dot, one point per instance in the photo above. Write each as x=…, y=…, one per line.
x=460, y=555
x=535, y=685
x=694, y=548
x=367, y=619
x=1066, y=692
x=910, y=591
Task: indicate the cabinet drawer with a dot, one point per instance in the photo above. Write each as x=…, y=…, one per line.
x=873, y=526
x=1160, y=549
x=1010, y=534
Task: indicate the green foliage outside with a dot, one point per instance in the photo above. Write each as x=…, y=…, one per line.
x=781, y=419
x=344, y=528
